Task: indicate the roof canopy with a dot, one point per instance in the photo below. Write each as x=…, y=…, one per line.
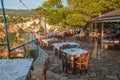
x=113, y=16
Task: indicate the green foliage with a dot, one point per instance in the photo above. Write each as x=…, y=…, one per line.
x=19, y=19
x=109, y=5
x=31, y=53
x=55, y=17
x=89, y=7
x=2, y=40
x=51, y=30
x=11, y=12
x=12, y=38
x=41, y=30
x=1, y=19
x=20, y=31
x=76, y=20
x=52, y=4
x=41, y=11
x=11, y=19
x=16, y=19
x=56, y=14
x=77, y=13
x=21, y=35
x=13, y=55
x=93, y=7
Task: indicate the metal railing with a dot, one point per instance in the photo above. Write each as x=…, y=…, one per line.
x=23, y=45
x=7, y=39
x=3, y=44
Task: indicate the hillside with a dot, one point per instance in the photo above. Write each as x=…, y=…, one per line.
x=12, y=12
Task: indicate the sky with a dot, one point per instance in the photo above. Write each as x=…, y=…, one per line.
x=16, y=4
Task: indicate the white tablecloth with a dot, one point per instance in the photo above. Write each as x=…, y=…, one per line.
x=59, y=45
x=107, y=41
x=12, y=69
x=80, y=35
x=46, y=41
x=74, y=51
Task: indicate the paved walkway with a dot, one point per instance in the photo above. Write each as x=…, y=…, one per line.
x=102, y=66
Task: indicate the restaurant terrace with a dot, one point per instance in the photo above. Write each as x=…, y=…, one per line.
x=91, y=52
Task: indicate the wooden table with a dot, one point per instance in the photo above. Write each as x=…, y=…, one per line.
x=47, y=42
x=73, y=52
x=58, y=46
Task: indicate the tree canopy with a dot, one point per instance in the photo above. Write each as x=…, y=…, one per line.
x=52, y=4
x=77, y=13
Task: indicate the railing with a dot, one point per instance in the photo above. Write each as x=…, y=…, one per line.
x=3, y=44
x=35, y=41
x=7, y=39
x=23, y=45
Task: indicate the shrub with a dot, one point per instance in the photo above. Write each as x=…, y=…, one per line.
x=31, y=53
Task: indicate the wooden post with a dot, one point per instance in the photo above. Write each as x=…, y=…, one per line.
x=102, y=35
x=89, y=28
x=102, y=29
x=95, y=25
x=96, y=37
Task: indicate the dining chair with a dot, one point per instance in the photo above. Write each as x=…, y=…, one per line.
x=65, y=46
x=45, y=69
x=111, y=44
x=66, y=63
x=106, y=46
x=77, y=37
x=82, y=62
x=56, y=51
x=49, y=45
x=41, y=38
x=79, y=42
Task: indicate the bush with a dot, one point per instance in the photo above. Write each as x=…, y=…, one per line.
x=31, y=54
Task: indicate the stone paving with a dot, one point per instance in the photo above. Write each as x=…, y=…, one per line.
x=104, y=66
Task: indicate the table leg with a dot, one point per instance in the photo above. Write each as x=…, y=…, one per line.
x=73, y=64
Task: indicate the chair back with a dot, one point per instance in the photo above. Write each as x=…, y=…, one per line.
x=65, y=62
x=83, y=60
x=84, y=57
x=65, y=46
x=41, y=38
